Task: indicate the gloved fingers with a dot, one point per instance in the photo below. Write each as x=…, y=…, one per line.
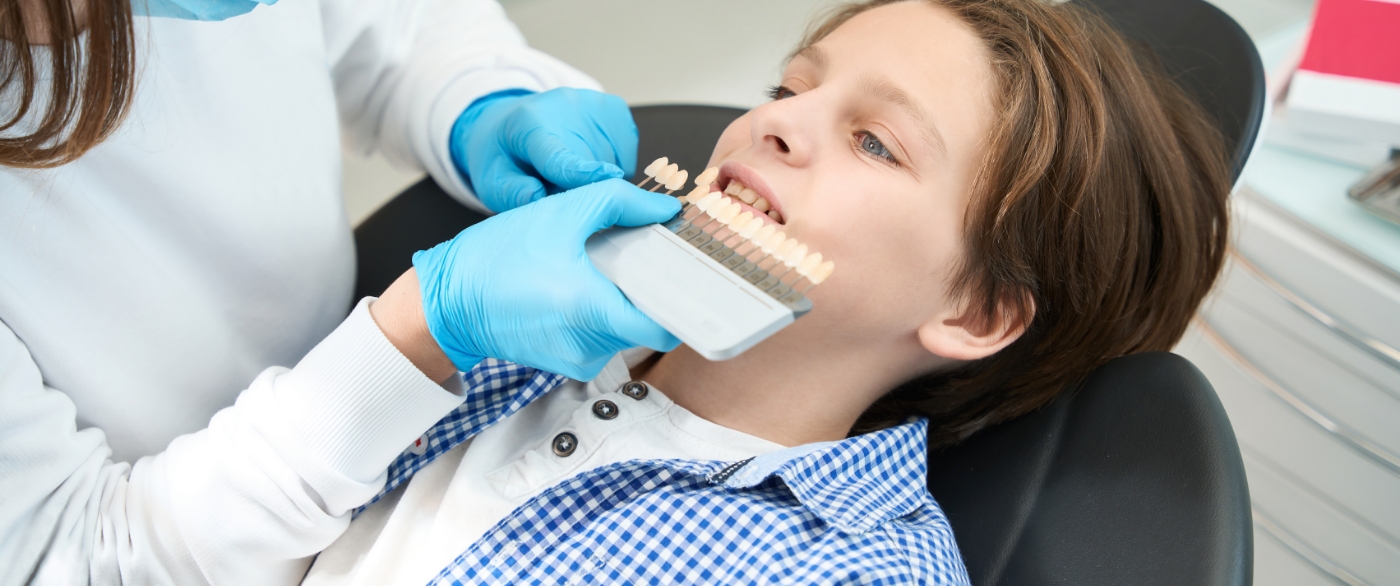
x=567, y=163
x=612, y=119
x=615, y=203
x=582, y=371
x=505, y=186
x=623, y=321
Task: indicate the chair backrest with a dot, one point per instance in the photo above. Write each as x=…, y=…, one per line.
x=1136, y=478
x=1208, y=54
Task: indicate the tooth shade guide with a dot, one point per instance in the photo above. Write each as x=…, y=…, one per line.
x=735, y=238
x=763, y=233
x=772, y=242
x=742, y=223
x=656, y=166
x=696, y=194
x=819, y=274
x=705, y=178
x=795, y=256
x=708, y=201
x=676, y=181
x=651, y=170
x=785, y=247
x=805, y=267
x=752, y=227
x=664, y=175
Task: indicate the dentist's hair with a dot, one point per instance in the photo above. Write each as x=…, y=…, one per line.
x=67, y=73
x=1098, y=218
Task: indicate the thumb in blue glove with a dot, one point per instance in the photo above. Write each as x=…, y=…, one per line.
x=519, y=286
x=515, y=147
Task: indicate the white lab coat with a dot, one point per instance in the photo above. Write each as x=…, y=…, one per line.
x=196, y=254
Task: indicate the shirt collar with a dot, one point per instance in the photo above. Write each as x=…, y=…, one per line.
x=856, y=484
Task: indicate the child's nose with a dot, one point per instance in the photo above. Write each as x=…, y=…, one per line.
x=778, y=128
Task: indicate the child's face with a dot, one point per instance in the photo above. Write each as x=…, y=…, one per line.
x=869, y=152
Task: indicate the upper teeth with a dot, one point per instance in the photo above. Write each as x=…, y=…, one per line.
x=742, y=193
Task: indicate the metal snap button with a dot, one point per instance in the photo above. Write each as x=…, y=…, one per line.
x=605, y=409
x=635, y=389
x=565, y=444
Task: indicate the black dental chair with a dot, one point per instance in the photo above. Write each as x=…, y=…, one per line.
x=1133, y=478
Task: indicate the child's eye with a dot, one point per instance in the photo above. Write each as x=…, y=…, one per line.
x=779, y=92
x=874, y=147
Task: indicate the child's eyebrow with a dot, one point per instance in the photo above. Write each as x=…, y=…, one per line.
x=885, y=90
x=814, y=54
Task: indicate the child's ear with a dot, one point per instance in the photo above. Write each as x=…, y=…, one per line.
x=962, y=334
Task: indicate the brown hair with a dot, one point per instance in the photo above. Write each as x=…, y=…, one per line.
x=78, y=98
x=1100, y=210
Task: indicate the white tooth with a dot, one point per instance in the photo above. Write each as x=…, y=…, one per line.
x=726, y=215
x=805, y=267
x=763, y=233
x=697, y=194
x=755, y=224
x=734, y=187
x=741, y=220
x=772, y=241
x=774, y=214
x=656, y=166
x=820, y=273
x=707, y=177
x=667, y=173
x=748, y=195
x=795, y=256
x=761, y=205
x=709, y=201
x=783, y=249
x=676, y=180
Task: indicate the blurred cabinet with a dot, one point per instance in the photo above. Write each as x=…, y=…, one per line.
x=1301, y=339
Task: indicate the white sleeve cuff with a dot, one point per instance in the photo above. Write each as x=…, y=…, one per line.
x=351, y=406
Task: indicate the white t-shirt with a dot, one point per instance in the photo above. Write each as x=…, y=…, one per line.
x=410, y=535
x=146, y=285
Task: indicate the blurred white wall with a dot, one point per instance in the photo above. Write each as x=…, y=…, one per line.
x=675, y=51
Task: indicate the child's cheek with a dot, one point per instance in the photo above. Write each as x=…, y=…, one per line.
x=734, y=138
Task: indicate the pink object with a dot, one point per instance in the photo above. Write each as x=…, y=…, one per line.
x=1347, y=86
x=1355, y=38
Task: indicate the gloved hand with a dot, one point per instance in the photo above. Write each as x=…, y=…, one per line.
x=519, y=286
x=195, y=9
x=507, y=142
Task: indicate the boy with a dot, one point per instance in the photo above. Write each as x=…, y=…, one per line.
x=1011, y=198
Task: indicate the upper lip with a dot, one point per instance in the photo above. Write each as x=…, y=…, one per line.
x=751, y=179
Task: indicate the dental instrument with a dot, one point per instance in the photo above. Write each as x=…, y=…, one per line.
x=717, y=275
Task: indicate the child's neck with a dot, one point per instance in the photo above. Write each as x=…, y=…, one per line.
x=786, y=395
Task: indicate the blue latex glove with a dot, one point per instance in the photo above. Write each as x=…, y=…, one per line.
x=519, y=287
x=515, y=147
x=195, y=9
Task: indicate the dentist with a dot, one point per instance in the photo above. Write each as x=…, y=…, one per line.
x=182, y=398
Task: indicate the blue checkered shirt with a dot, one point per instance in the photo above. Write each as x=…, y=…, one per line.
x=850, y=512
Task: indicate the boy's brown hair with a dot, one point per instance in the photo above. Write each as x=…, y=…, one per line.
x=1100, y=210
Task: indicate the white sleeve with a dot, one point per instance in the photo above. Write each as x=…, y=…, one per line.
x=405, y=69
x=248, y=500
